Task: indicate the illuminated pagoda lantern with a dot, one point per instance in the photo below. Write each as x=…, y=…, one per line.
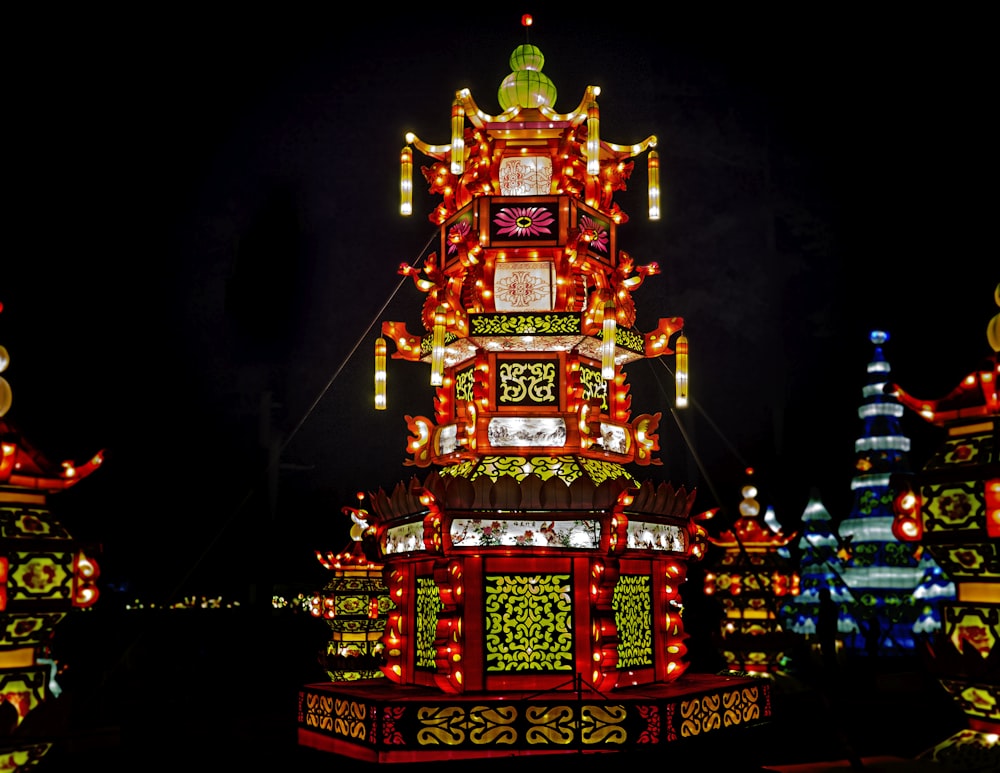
x=44, y=576
x=882, y=572
x=819, y=569
x=536, y=580
x=750, y=578
x=355, y=604
x=952, y=508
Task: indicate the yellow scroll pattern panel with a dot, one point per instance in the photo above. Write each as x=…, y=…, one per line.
x=713, y=712
x=452, y=725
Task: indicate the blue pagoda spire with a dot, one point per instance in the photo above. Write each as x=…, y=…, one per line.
x=820, y=569
x=883, y=574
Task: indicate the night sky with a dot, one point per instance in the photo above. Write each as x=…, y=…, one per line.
x=203, y=216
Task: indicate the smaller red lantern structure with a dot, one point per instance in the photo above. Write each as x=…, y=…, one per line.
x=952, y=508
x=44, y=575
x=750, y=579
x=356, y=606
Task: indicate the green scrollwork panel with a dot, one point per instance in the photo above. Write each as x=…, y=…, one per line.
x=593, y=385
x=600, y=471
x=465, y=380
x=630, y=339
x=529, y=623
x=527, y=382
x=523, y=324
x=632, y=605
x=428, y=606
x=427, y=343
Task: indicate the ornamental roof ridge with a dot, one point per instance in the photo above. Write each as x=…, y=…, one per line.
x=663, y=499
x=530, y=493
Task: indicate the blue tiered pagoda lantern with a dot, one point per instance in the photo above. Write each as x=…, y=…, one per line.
x=535, y=579
x=820, y=570
x=883, y=573
x=952, y=508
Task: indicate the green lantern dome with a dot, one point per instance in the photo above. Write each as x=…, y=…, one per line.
x=526, y=86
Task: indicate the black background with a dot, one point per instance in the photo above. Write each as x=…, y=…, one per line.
x=202, y=219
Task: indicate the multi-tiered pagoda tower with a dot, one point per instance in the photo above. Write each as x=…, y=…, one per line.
x=820, y=572
x=882, y=573
x=534, y=578
x=951, y=507
x=45, y=575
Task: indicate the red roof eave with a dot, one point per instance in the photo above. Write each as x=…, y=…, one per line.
x=9, y=476
x=975, y=397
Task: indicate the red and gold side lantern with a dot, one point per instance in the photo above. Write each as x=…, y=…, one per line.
x=952, y=508
x=44, y=576
x=356, y=606
x=750, y=578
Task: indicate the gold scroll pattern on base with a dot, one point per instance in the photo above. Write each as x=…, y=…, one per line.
x=550, y=725
x=346, y=718
x=451, y=725
x=712, y=712
x=547, y=725
x=603, y=724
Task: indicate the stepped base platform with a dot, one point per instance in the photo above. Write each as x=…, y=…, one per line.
x=377, y=721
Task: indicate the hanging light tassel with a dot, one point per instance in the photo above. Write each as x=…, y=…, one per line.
x=457, y=137
x=681, y=373
x=608, y=342
x=437, y=346
x=593, y=138
x=380, y=374
x=406, y=181
x=653, y=174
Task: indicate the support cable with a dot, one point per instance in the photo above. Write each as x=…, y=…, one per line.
x=274, y=458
